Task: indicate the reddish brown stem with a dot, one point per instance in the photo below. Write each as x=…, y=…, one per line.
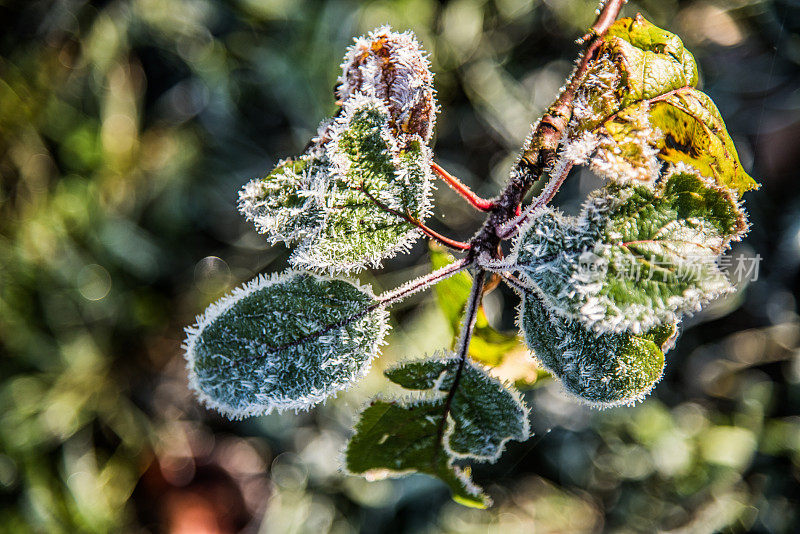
x=605, y=19
x=446, y=241
x=459, y=187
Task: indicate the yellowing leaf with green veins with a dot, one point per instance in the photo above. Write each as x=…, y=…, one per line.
x=488, y=346
x=635, y=258
x=284, y=342
x=637, y=108
x=395, y=439
x=636, y=61
x=604, y=370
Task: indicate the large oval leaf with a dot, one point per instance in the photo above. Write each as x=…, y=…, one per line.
x=283, y=342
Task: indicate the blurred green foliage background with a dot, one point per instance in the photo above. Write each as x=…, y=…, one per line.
x=126, y=129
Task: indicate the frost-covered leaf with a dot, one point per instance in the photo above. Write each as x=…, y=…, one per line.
x=637, y=108
x=395, y=439
x=283, y=342
x=602, y=369
x=485, y=413
x=391, y=67
x=427, y=435
x=488, y=346
x=285, y=205
x=636, y=257
x=347, y=198
x=369, y=173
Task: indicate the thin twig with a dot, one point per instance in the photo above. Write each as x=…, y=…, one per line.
x=462, y=189
x=462, y=348
x=608, y=14
x=547, y=195
x=541, y=151
x=423, y=282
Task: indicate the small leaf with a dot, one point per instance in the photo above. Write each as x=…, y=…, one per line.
x=636, y=61
x=284, y=205
x=635, y=258
x=346, y=200
x=283, y=342
x=394, y=439
x=488, y=346
x=485, y=413
x=602, y=369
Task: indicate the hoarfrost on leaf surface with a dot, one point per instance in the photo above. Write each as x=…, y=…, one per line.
x=346, y=199
x=391, y=67
x=283, y=342
x=639, y=104
x=485, y=413
x=428, y=434
x=635, y=258
x=398, y=438
x=604, y=370
x=368, y=167
x=285, y=205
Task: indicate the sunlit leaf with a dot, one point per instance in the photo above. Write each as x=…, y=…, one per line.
x=637, y=108
x=485, y=413
x=370, y=175
x=394, y=439
x=636, y=61
x=426, y=436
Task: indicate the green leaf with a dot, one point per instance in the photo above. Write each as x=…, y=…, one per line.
x=488, y=346
x=283, y=204
x=485, y=413
x=394, y=439
x=604, y=370
x=369, y=167
x=637, y=105
x=636, y=257
x=345, y=200
x=283, y=342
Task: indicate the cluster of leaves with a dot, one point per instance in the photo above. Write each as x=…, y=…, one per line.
x=602, y=293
